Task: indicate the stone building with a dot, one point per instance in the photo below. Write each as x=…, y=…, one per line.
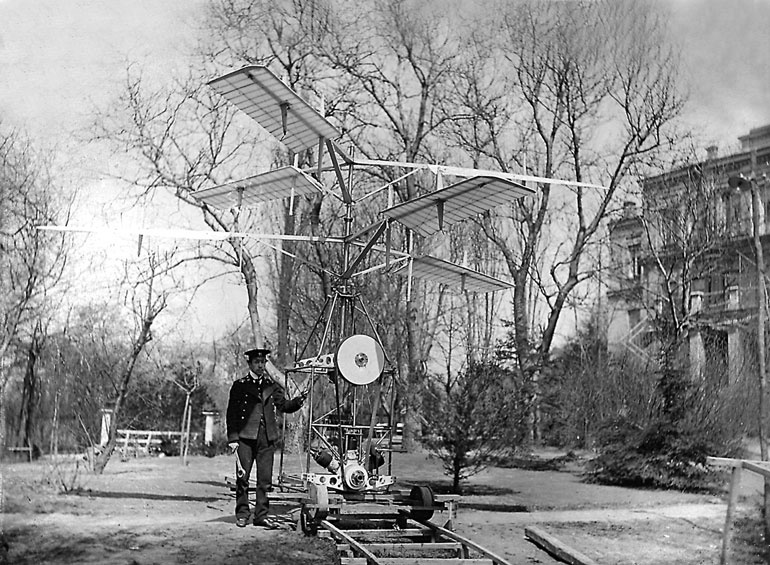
x=687, y=252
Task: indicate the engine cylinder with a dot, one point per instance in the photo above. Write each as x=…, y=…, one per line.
x=327, y=460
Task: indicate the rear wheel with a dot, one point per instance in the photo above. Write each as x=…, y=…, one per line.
x=309, y=525
x=316, y=510
x=423, y=499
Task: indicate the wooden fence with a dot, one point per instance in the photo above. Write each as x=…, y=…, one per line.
x=138, y=443
x=737, y=465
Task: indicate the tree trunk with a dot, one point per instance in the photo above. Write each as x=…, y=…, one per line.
x=3, y=406
x=528, y=361
x=187, y=434
x=252, y=289
x=756, y=202
x=54, y=446
x=456, y=483
x=285, y=293
x=29, y=392
x=101, y=460
x=412, y=399
x=182, y=437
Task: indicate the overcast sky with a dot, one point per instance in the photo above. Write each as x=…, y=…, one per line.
x=725, y=51
x=60, y=57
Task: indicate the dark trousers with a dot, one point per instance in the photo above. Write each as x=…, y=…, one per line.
x=261, y=451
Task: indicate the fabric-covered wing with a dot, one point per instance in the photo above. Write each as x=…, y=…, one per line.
x=460, y=201
x=451, y=274
x=272, y=185
x=265, y=98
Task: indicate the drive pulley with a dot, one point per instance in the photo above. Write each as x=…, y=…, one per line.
x=360, y=359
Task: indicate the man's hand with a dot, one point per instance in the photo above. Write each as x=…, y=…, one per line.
x=233, y=445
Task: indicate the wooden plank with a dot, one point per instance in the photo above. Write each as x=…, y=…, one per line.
x=758, y=467
x=385, y=548
x=446, y=497
x=290, y=496
x=415, y=546
x=466, y=543
x=557, y=548
x=389, y=534
x=723, y=462
x=415, y=561
x=155, y=432
x=27, y=450
x=368, y=510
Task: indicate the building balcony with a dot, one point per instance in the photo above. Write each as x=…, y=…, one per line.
x=735, y=301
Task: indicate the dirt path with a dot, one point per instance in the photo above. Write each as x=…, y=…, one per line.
x=156, y=511
x=614, y=535
x=183, y=532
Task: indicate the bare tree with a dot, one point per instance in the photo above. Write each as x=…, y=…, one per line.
x=188, y=381
x=31, y=263
x=147, y=298
x=407, y=86
x=30, y=393
x=582, y=90
x=683, y=237
x=183, y=137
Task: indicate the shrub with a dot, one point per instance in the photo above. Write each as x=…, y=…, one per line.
x=660, y=455
x=472, y=422
x=67, y=474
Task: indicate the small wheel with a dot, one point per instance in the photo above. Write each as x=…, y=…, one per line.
x=309, y=525
x=310, y=517
x=422, y=496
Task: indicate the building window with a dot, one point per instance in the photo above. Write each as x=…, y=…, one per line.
x=734, y=214
x=767, y=212
x=634, y=317
x=672, y=228
x=635, y=261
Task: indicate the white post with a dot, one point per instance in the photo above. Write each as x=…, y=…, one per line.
x=106, y=421
x=208, y=434
x=697, y=350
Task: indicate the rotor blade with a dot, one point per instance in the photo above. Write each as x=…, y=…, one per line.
x=194, y=234
x=151, y=232
x=470, y=197
x=452, y=274
x=469, y=172
x=277, y=184
x=266, y=99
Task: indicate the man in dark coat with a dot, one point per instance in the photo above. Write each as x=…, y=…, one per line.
x=252, y=430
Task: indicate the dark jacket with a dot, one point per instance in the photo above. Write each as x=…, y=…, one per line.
x=245, y=396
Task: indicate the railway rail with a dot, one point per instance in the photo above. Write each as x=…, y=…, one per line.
x=403, y=540
x=398, y=527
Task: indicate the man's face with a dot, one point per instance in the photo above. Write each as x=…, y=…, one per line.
x=257, y=365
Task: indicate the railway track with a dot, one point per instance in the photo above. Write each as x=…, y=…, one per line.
x=396, y=528
x=402, y=539
x=393, y=528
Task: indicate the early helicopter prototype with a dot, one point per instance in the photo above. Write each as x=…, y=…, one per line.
x=348, y=353
x=344, y=348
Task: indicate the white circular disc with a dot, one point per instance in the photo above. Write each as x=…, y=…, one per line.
x=360, y=359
